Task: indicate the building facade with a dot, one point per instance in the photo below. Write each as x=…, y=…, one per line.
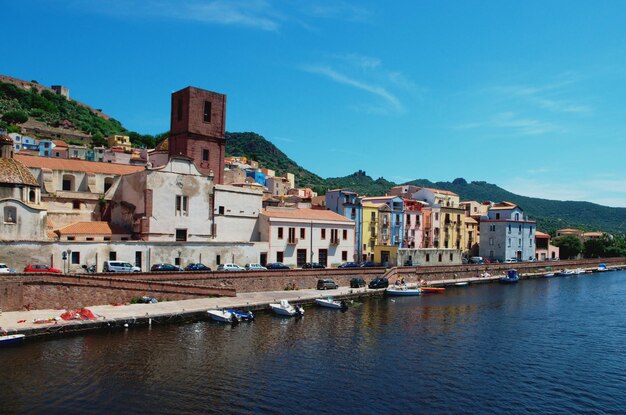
x=506, y=233
x=348, y=204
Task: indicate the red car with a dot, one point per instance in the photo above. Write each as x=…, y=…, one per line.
x=41, y=268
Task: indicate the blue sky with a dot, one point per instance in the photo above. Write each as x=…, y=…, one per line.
x=528, y=95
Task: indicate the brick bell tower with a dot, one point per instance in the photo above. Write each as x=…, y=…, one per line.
x=197, y=129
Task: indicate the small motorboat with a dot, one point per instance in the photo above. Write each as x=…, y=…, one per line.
x=433, y=290
x=462, y=284
x=286, y=309
x=11, y=339
x=579, y=271
x=331, y=303
x=223, y=316
x=243, y=315
x=602, y=268
x=565, y=272
x=548, y=275
x=403, y=289
x=511, y=277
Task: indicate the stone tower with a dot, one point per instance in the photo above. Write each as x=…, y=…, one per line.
x=197, y=129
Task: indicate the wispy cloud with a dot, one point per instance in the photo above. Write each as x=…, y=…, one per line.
x=342, y=78
x=519, y=126
x=284, y=139
x=257, y=14
x=545, y=96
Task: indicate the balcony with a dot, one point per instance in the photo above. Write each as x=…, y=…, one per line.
x=335, y=241
x=292, y=241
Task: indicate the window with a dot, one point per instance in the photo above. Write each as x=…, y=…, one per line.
x=334, y=236
x=75, y=258
x=207, y=111
x=218, y=259
x=531, y=242
x=108, y=182
x=31, y=197
x=345, y=234
x=220, y=210
x=280, y=233
x=181, y=206
x=344, y=255
x=436, y=215
x=491, y=241
x=181, y=235
x=517, y=216
x=509, y=228
x=520, y=229
x=353, y=214
x=451, y=257
x=205, y=155
x=76, y=204
x=71, y=238
x=10, y=214
x=279, y=256
x=107, y=238
x=427, y=257
x=373, y=216
x=112, y=256
x=519, y=242
x=497, y=216
x=440, y=257
x=89, y=238
x=323, y=233
x=179, y=109
x=509, y=241
x=68, y=183
x=292, y=236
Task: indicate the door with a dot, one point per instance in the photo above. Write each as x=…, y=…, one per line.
x=323, y=257
x=301, y=257
x=384, y=257
x=138, y=259
x=263, y=259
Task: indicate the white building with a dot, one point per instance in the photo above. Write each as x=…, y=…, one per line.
x=296, y=236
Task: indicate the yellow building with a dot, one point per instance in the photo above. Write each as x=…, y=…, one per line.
x=119, y=141
x=447, y=230
x=376, y=233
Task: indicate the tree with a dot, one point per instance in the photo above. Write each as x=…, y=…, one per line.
x=594, y=248
x=15, y=117
x=569, y=246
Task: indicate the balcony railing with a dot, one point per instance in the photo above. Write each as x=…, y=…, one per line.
x=292, y=241
x=335, y=241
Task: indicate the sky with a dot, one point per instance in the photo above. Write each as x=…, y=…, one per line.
x=529, y=95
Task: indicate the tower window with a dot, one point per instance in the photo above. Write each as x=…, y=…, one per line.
x=205, y=155
x=207, y=111
x=179, y=110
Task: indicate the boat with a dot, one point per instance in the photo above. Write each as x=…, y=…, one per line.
x=243, y=315
x=548, y=275
x=462, y=284
x=602, y=268
x=286, y=309
x=510, y=277
x=403, y=290
x=433, y=290
x=579, y=271
x=566, y=272
x=223, y=316
x=11, y=339
x=331, y=303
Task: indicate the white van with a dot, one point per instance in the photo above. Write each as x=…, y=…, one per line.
x=119, y=266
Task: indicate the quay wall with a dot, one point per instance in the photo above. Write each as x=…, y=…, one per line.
x=29, y=291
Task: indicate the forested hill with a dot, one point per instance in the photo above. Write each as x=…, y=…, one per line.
x=549, y=214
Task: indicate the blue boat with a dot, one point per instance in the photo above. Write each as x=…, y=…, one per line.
x=12, y=339
x=243, y=315
x=510, y=277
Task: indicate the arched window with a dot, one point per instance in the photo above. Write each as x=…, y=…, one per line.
x=32, y=197
x=10, y=214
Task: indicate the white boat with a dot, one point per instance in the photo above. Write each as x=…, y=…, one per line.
x=462, y=284
x=403, y=290
x=223, y=316
x=566, y=272
x=548, y=275
x=579, y=271
x=11, y=339
x=602, y=268
x=286, y=309
x=330, y=303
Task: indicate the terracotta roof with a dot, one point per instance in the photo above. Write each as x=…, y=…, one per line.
x=443, y=192
x=469, y=219
x=379, y=198
x=163, y=145
x=568, y=230
x=308, y=214
x=91, y=228
x=60, y=143
x=14, y=172
x=77, y=165
x=541, y=235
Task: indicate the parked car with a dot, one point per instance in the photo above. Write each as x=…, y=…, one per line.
x=326, y=284
x=510, y=261
x=229, y=267
x=254, y=267
x=165, y=267
x=276, y=265
x=349, y=265
x=379, y=283
x=357, y=282
x=4, y=268
x=41, y=268
x=313, y=265
x=119, y=266
x=476, y=260
x=370, y=264
x=197, y=267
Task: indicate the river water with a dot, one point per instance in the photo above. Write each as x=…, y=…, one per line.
x=550, y=346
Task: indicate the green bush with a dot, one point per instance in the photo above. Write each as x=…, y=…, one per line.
x=15, y=117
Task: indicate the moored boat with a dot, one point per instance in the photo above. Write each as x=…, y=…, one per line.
x=602, y=268
x=286, y=309
x=579, y=271
x=462, y=284
x=399, y=290
x=243, y=315
x=510, y=277
x=223, y=316
x=565, y=272
x=331, y=303
x=11, y=339
x=432, y=290
x=548, y=275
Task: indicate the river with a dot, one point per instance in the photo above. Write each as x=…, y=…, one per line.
x=548, y=346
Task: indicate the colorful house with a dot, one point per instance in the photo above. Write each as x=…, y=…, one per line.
x=396, y=204
x=348, y=204
x=506, y=233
